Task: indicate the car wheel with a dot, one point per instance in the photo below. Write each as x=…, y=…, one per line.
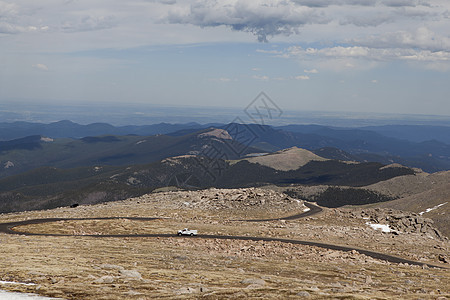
x=179, y=233
x=192, y=234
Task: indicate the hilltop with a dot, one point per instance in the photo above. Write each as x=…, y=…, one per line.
x=287, y=159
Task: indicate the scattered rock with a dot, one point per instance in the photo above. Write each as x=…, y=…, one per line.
x=185, y=290
x=443, y=259
x=304, y=294
x=105, y=279
x=131, y=274
x=253, y=281
x=399, y=221
x=111, y=267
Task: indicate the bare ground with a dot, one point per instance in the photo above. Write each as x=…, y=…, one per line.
x=80, y=267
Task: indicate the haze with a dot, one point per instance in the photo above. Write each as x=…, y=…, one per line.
x=385, y=56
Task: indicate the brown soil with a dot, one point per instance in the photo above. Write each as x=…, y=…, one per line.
x=79, y=267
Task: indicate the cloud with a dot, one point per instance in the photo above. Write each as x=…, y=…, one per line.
x=221, y=79
x=302, y=77
x=269, y=18
x=263, y=18
x=374, y=81
x=261, y=77
x=358, y=57
x=312, y=71
x=89, y=23
x=41, y=67
x=421, y=38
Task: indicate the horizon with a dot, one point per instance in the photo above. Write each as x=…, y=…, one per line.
x=149, y=114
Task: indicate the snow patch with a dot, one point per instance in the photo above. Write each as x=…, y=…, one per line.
x=13, y=282
x=433, y=208
x=306, y=209
x=46, y=139
x=8, y=164
x=5, y=295
x=382, y=227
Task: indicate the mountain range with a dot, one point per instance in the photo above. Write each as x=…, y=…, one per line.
x=67, y=144
x=354, y=166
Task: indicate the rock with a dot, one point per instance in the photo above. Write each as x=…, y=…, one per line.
x=254, y=286
x=111, y=267
x=443, y=258
x=186, y=290
x=253, y=281
x=304, y=294
x=105, y=279
x=131, y=274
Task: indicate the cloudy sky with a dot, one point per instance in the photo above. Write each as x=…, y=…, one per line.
x=333, y=55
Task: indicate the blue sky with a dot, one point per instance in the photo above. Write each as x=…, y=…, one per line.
x=389, y=56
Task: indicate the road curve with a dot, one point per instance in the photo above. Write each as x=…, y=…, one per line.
x=8, y=228
x=313, y=209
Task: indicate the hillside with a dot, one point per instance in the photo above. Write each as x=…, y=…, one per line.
x=427, y=194
x=424, y=147
x=49, y=187
x=21, y=155
x=286, y=160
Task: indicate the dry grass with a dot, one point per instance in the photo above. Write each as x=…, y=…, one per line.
x=189, y=268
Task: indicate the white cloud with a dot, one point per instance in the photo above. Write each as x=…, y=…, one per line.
x=269, y=18
x=302, y=77
x=41, y=67
x=358, y=57
x=221, y=79
x=421, y=38
x=261, y=77
x=374, y=81
x=312, y=71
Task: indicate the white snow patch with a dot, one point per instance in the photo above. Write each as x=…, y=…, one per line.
x=382, y=227
x=5, y=295
x=306, y=209
x=13, y=282
x=433, y=208
x=9, y=164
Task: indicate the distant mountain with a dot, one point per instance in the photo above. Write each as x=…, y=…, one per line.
x=360, y=145
x=68, y=129
x=356, y=144
x=33, y=152
x=414, y=133
x=26, y=143
x=49, y=187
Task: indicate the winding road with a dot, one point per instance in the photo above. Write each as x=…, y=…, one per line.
x=8, y=228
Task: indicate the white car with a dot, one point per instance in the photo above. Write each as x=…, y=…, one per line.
x=186, y=231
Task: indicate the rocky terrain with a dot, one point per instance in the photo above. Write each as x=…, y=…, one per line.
x=422, y=193
x=79, y=266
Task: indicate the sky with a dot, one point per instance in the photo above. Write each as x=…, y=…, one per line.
x=383, y=56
